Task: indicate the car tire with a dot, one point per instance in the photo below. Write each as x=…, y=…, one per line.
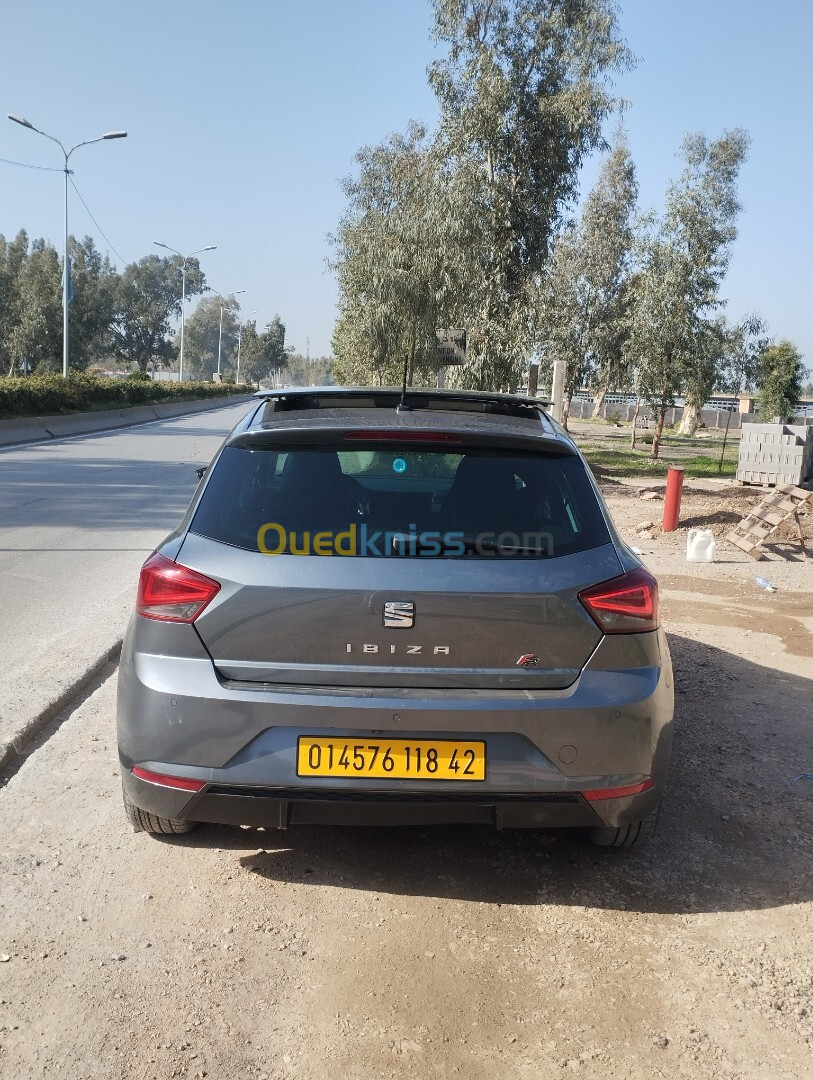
x=142, y=821
x=626, y=835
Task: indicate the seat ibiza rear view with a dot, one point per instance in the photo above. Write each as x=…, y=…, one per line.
x=375, y=614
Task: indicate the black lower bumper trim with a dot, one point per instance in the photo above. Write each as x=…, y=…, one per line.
x=276, y=808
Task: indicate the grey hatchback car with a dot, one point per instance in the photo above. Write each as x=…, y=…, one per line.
x=386, y=611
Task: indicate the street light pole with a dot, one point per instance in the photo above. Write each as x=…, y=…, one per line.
x=184, y=259
x=239, y=340
x=220, y=333
x=66, y=268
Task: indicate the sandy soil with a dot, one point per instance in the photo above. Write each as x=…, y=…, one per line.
x=446, y=952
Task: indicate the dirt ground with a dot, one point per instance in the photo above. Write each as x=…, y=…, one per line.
x=446, y=952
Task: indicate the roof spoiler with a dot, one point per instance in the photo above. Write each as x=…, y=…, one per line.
x=330, y=396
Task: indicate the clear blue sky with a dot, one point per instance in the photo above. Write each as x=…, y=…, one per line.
x=243, y=117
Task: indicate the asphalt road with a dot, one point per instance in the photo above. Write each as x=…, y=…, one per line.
x=77, y=518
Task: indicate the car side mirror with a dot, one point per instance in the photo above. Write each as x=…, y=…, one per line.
x=201, y=472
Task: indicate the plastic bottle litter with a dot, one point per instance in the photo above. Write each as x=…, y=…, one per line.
x=700, y=545
x=763, y=583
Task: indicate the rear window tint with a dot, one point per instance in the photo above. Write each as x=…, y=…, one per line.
x=400, y=502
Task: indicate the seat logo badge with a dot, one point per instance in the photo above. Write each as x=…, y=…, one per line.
x=399, y=614
x=528, y=660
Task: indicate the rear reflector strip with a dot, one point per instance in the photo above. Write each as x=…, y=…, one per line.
x=618, y=792
x=183, y=783
x=395, y=436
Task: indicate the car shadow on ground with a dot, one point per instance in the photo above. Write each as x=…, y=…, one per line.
x=735, y=832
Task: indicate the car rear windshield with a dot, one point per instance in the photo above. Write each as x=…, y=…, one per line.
x=401, y=502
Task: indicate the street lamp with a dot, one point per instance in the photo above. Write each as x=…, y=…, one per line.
x=184, y=259
x=240, y=338
x=66, y=275
x=220, y=333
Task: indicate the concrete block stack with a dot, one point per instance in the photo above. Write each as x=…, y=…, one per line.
x=775, y=454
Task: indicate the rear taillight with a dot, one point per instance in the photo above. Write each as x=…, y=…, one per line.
x=171, y=592
x=624, y=605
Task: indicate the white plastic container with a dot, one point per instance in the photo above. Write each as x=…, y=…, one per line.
x=700, y=545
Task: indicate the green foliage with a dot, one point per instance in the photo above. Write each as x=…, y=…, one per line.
x=523, y=93
x=780, y=382
x=454, y=230
x=31, y=304
x=275, y=353
x=587, y=291
x=683, y=259
x=202, y=334
x=128, y=315
x=92, y=309
x=148, y=297
x=37, y=337
x=262, y=353
x=312, y=371
x=252, y=365
x=745, y=344
x=389, y=264
x=52, y=394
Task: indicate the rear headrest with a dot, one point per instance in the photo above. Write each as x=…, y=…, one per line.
x=312, y=468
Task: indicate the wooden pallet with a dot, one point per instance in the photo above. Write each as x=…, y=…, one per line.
x=776, y=509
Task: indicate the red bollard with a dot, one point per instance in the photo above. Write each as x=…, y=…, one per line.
x=671, y=505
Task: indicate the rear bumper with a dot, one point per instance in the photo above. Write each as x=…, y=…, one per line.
x=610, y=729
x=280, y=807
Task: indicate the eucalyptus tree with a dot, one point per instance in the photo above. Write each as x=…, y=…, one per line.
x=523, y=90
x=202, y=336
x=93, y=281
x=148, y=298
x=309, y=370
x=701, y=214
x=12, y=257
x=37, y=335
x=745, y=344
x=253, y=365
x=275, y=354
x=780, y=382
x=387, y=259
x=683, y=260
x=586, y=292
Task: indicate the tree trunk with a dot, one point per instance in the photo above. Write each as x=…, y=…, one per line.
x=691, y=418
x=635, y=419
x=656, y=438
x=598, y=402
x=566, y=408
x=725, y=439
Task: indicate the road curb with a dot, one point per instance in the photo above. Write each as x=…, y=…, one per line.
x=30, y=429
x=11, y=747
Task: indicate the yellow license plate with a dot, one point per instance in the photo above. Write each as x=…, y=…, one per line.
x=391, y=759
